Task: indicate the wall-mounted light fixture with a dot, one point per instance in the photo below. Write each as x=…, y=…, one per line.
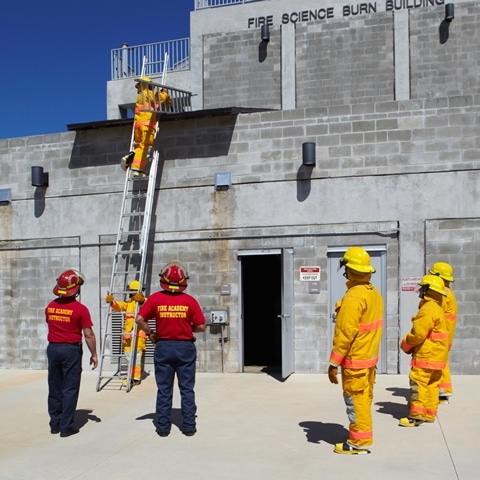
x=265, y=33
x=449, y=12
x=223, y=180
x=39, y=177
x=308, y=154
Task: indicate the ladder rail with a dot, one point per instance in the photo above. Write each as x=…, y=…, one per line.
x=107, y=325
x=134, y=201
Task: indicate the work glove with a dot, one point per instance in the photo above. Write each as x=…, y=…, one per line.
x=332, y=374
x=109, y=298
x=138, y=297
x=153, y=337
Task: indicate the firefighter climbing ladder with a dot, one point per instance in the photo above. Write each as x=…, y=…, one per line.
x=115, y=365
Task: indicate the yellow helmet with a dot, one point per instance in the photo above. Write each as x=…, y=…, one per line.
x=435, y=283
x=443, y=270
x=135, y=285
x=142, y=81
x=357, y=259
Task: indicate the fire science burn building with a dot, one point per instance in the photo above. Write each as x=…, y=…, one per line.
x=313, y=127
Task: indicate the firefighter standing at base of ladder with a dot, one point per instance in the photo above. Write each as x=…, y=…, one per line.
x=144, y=125
x=140, y=342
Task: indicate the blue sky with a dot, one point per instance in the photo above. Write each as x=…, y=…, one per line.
x=55, y=56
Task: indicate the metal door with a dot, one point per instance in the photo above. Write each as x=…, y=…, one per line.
x=337, y=288
x=287, y=315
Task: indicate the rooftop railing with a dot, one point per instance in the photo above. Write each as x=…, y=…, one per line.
x=200, y=4
x=130, y=61
x=162, y=99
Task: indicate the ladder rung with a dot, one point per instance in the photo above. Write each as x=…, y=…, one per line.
x=136, y=196
x=135, y=178
x=133, y=214
x=130, y=232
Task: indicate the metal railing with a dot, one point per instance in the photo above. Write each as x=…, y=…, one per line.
x=200, y=4
x=128, y=61
x=153, y=99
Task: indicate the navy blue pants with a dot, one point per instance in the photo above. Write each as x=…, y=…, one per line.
x=175, y=357
x=64, y=373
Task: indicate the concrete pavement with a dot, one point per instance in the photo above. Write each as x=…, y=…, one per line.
x=250, y=426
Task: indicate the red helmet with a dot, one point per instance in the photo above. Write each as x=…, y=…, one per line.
x=173, y=277
x=68, y=283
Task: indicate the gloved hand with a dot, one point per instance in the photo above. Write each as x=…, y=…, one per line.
x=109, y=298
x=332, y=374
x=153, y=337
x=138, y=297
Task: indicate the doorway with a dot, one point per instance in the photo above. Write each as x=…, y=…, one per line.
x=266, y=304
x=262, y=335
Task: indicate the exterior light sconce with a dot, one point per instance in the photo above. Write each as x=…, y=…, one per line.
x=39, y=177
x=449, y=12
x=223, y=181
x=265, y=33
x=308, y=154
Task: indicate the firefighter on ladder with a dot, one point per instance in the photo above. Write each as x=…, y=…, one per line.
x=145, y=124
x=140, y=343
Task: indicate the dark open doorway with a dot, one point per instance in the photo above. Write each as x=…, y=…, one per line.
x=262, y=305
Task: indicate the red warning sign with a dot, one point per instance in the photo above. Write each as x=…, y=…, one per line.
x=310, y=274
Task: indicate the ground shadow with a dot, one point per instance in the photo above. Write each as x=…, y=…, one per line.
x=274, y=371
x=82, y=417
x=396, y=410
x=400, y=392
x=317, y=432
x=177, y=417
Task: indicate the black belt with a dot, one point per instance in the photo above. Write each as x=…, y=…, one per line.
x=65, y=343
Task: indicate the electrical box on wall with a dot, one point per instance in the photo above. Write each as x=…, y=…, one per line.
x=218, y=316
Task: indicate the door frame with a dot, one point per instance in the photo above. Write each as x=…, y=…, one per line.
x=287, y=314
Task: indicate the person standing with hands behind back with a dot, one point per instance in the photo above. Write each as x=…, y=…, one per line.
x=356, y=342
x=67, y=318
x=177, y=316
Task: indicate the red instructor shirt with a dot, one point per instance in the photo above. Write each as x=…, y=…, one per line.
x=174, y=314
x=66, y=318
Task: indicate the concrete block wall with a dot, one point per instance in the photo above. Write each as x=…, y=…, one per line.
x=456, y=241
x=378, y=165
x=444, y=55
x=28, y=270
x=345, y=61
x=375, y=52
x=241, y=70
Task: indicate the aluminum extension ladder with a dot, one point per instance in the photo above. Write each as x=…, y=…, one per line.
x=132, y=244
x=129, y=264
